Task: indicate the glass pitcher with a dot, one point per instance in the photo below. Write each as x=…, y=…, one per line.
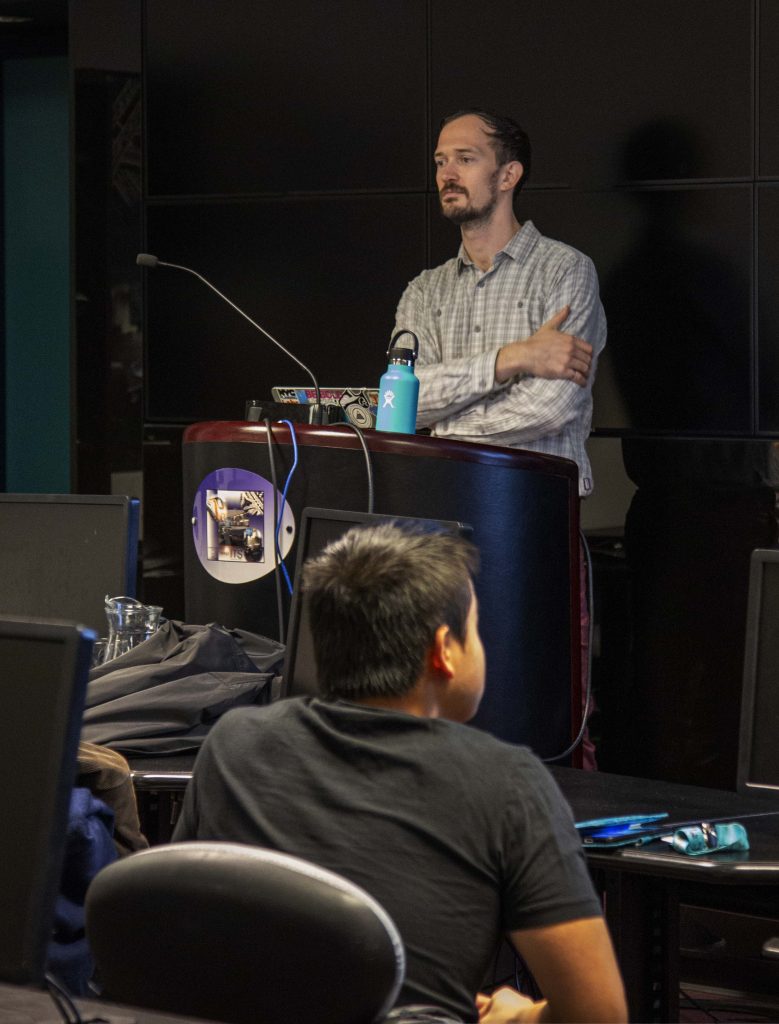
x=130, y=623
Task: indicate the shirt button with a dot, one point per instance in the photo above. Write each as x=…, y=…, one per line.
x=476, y=329
x=520, y=304
x=438, y=312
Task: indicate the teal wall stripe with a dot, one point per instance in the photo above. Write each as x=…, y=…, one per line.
x=37, y=274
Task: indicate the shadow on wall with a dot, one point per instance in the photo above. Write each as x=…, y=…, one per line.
x=679, y=312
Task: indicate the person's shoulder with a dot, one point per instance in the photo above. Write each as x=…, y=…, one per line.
x=238, y=722
x=513, y=761
x=551, y=252
x=467, y=738
x=431, y=280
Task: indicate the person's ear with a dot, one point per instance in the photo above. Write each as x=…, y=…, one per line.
x=511, y=175
x=439, y=656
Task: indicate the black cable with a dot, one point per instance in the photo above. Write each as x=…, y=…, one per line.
x=272, y=461
x=504, y=979
x=524, y=981
x=279, y=553
x=591, y=628
x=698, y=1006
x=368, y=466
x=495, y=960
x=66, y=1008
x=276, y=573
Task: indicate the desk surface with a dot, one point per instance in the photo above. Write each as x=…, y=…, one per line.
x=597, y=794
x=21, y=1005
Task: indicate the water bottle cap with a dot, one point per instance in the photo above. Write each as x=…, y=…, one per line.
x=400, y=353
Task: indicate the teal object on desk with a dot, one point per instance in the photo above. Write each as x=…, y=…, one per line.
x=399, y=388
x=696, y=840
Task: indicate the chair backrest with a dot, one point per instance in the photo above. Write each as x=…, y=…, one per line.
x=240, y=934
x=43, y=676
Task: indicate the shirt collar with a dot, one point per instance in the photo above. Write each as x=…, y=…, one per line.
x=518, y=247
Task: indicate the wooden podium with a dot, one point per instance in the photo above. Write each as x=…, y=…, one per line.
x=524, y=510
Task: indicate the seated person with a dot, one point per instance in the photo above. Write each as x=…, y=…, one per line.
x=461, y=837
x=102, y=825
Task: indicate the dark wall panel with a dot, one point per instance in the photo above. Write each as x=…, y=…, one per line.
x=247, y=105
x=323, y=276
x=768, y=86
x=254, y=97
x=107, y=236
x=768, y=307
x=676, y=286
x=594, y=81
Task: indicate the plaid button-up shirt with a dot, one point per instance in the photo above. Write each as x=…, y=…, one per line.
x=463, y=316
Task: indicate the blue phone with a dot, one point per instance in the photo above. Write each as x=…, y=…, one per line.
x=623, y=819
x=620, y=830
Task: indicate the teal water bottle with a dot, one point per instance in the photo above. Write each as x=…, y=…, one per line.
x=399, y=387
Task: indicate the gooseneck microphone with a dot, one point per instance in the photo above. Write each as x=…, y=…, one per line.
x=145, y=259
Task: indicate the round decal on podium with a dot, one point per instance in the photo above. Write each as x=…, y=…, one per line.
x=233, y=525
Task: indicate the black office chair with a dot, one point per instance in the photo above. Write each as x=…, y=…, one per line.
x=243, y=935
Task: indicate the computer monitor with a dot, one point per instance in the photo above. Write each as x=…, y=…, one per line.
x=61, y=554
x=43, y=675
x=318, y=528
x=758, y=750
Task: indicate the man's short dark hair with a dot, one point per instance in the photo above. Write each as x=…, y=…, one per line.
x=376, y=597
x=509, y=140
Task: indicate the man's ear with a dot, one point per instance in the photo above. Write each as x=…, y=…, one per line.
x=511, y=175
x=439, y=655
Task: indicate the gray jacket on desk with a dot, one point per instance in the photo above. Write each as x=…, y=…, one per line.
x=163, y=696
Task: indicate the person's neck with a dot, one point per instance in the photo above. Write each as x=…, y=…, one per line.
x=483, y=239
x=421, y=701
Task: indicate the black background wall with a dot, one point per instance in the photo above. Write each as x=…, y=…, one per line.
x=284, y=152
x=286, y=155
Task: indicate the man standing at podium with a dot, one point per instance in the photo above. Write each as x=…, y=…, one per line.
x=511, y=328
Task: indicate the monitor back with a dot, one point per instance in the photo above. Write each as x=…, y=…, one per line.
x=43, y=675
x=318, y=528
x=61, y=554
x=758, y=752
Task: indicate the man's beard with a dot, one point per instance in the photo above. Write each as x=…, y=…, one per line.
x=469, y=214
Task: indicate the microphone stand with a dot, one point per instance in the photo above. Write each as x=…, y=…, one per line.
x=144, y=259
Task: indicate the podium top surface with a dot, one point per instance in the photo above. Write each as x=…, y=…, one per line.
x=339, y=435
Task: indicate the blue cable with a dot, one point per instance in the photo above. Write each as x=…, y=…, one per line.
x=284, y=501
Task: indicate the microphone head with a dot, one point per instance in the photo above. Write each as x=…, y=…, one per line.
x=144, y=259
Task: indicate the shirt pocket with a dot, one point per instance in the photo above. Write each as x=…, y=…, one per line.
x=452, y=325
x=514, y=318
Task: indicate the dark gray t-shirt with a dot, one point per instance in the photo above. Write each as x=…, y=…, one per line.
x=460, y=837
